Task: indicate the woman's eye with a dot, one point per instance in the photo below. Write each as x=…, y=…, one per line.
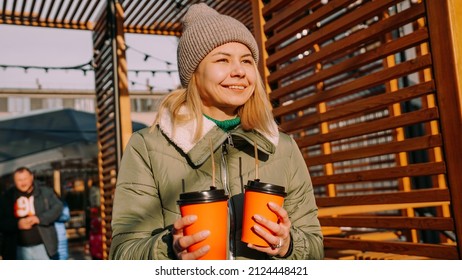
x=222, y=60
x=247, y=61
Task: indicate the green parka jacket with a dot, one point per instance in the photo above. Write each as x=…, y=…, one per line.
x=159, y=162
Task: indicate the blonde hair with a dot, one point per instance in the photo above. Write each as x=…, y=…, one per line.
x=256, y=113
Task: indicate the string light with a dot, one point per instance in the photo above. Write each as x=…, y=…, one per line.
x=147, y=55
x=91, y=66
x=82, y=67
x=148, y=86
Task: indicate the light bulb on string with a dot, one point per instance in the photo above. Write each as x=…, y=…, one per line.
x=178, y=5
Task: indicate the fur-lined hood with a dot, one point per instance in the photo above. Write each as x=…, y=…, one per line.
x=183, y=134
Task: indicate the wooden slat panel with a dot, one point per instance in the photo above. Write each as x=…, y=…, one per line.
x=339, y=96
x=108, y=145
x=76, y=9
x=273, y=6
x=105, y=122
x=110, y=168
x=281, y=19
x=105, y=138
x=427, y=195
x=360, y=209
x=362, y=83
x=348, y=20
x=418, y=169
x=418, y=143
x=425, y=223
x=354, y=62
x=102, y=115
x=329, y=31
x=369, y=127
x=405, y=248
x=364, y=105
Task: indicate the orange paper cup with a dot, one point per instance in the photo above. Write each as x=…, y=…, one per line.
x=256, y=198
x=211, y=209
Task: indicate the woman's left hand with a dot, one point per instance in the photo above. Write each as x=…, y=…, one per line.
x=280, y=239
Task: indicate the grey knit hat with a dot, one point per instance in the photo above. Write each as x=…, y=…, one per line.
x=204, y=29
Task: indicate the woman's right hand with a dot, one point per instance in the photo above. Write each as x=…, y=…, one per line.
x=182, y=242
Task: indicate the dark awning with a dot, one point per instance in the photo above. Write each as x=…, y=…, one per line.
x=43, y=136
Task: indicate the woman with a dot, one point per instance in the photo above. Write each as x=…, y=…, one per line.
x=222, y=102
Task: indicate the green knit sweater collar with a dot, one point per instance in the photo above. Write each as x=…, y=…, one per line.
x=226, y=125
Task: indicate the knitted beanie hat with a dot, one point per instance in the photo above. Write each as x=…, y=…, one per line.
x=204, y=29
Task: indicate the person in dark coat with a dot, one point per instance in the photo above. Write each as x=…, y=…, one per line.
x=27, y=216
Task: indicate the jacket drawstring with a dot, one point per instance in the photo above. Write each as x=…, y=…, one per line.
x=224, y=178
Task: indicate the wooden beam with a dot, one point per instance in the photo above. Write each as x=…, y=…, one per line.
x=122, y=78
x=423, y=115
x=424, y=223
x=358, y=209
x=360, y=106
x=428, y=195
x=429, y=250
x=413, y=144
x=418, y=169
x=445, y=27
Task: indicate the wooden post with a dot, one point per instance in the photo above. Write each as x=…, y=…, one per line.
x=445, y=28
x=114, y=125
x=121, y=79
x=260, y=37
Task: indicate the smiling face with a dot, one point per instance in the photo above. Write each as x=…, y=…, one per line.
x=225, y=80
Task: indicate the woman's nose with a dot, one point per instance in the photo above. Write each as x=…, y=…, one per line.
x=238, y=70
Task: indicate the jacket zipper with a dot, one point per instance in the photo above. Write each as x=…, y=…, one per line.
x=225, y=180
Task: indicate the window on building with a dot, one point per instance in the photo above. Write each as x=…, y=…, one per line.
x=18, y=104
x=36, y=103
x=144, y=104
x=53, y=103
x=85, y=104
x=3, y=104
x=68, y=103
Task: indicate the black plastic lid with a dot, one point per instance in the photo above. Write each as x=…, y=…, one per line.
x=257, y=186
x=205, y=196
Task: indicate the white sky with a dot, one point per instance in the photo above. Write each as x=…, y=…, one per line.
x=39, y=46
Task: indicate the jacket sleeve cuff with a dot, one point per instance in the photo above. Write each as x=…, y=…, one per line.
x=163, y=246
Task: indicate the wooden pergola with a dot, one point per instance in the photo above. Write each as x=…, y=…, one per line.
x=370, y=90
